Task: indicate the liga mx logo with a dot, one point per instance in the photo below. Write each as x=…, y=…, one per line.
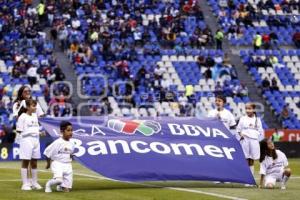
x=131, y=127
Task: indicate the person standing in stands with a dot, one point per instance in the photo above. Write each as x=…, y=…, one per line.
x=219, y=36
x=257, y=41
x=41, y=11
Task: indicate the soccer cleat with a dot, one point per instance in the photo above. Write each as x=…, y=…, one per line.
x=36, y=186
x=248, y=185
x=283, y=187
x=48, y=188
x=217, y=182
x=59, y=188
x=26, y=187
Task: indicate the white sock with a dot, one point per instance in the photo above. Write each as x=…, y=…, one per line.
x=34, y=174
x=252, y=169
x=284, y=179
x=24, y=176
x=54, y=182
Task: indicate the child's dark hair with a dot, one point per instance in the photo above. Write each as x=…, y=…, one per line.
x=265, y=151
x=64, y=125
x=20, y=93
x=28, y=103
x=253, y=105
x=221, y=97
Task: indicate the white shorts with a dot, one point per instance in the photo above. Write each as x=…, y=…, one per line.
x=30, y=148
x=272, y=179
x=63, y=171
x=250, y=148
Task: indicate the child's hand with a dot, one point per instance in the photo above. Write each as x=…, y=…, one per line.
x=43, y=133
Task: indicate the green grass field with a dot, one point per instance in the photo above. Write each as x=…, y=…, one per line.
x=89, y=185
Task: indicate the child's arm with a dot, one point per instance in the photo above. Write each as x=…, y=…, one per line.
x=48, y=163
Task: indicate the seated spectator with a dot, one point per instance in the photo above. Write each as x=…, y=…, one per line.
x=285, y=114
x=296, y=39
x=243, y=92
x=265, y=84
x=266, y=41
x=208, y=73
x=274, y=86
x=274, y=40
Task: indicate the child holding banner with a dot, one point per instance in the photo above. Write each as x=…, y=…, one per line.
x=250, y=130
x=222, y=113
x=273, y=166
x=29, y=130
x=60, y=152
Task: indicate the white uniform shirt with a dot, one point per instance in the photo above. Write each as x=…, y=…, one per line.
x=250, y=127
x=16, y=108
x=272, y=167
x=28, y=125
x=60, y=150
x=225, y=116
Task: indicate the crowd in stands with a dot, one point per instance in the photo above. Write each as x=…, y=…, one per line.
x=26, y=55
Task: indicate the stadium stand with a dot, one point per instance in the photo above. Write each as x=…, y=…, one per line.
x=26, y=57
x=150, y=58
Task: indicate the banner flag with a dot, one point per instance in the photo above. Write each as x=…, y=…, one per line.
x=156, y=149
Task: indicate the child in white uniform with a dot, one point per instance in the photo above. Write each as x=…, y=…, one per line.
x=273, y=166
x=222, y=113
x=28, y=128
x=250, y=130
x=60, y=152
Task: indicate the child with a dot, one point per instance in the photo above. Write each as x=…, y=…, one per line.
x=60, y=153
x=273, y=166
x=222, y=113
x=250, y=130
x=28, y=128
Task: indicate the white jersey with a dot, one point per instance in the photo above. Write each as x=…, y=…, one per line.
x=270, y=167
x=250, y=127
x=28, y=125
x=16, y=108
x=224, y=115
x=60, y=150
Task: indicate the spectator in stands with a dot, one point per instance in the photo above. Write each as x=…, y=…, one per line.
x=296, y=39
x=219, y=36
x=265, y=84
x=257, y=41
x=285, y=114
x=41, y=11
x=274, y=40
x=201, y=61
x=243, y=92
x=32, y=75
x=274, y=86
x=208, y=73
x=266, y=41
